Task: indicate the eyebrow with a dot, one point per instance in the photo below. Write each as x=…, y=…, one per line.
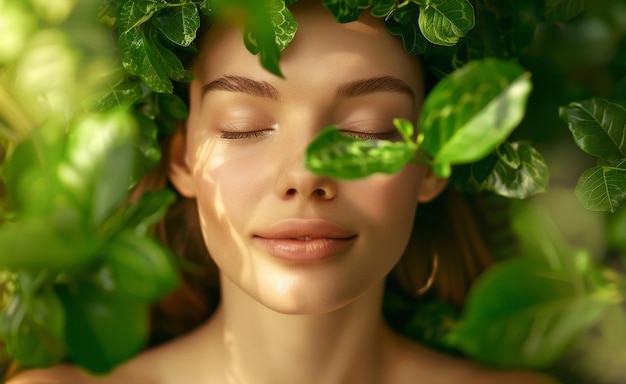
x=242, y=84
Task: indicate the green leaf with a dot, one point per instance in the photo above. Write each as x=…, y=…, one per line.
x=403, y=23
x=103, y=329
x=471, y=112
x=524, y=314
x=172, y=106
x=123, y=95
x=33, y=330
x=382, y=8
x=147, y=150
x=603, y=188
x=563, y=10
x=141, y=215
x=517, y=170
x=444, y=22
x=179, y=24
x=139, y=267
x=99, y=162
x=598, y=127
x=342, y=10
x=333, y=154
x=58, y=241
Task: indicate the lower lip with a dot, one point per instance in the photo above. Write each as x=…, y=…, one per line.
x=304, y=251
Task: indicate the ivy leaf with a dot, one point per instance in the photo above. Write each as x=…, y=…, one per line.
x=480, y=103
x=563, y=10
x=333, y=154
x=598, y=127
x=34, y=331
x=343, y=10
x=179, y=24
x=444, y=22
x=524, y=313
x=603, y=188
x=516, y=170
x=382, y=8
x=403, y=23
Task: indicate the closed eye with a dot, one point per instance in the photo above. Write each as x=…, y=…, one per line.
x=390, y=135
x=240, y=135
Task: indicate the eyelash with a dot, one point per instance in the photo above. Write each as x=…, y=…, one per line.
x=391, y=135
x=235, y=135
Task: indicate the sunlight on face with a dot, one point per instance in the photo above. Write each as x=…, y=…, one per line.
x=293, y=241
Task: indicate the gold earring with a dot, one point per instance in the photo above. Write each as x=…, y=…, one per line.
x=431, y=277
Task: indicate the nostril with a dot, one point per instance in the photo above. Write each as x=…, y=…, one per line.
x=291, y=192
x=320, y=192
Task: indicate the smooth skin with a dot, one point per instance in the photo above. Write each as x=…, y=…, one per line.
x=241, y=157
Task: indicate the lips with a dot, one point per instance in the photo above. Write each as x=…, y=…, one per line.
x=304, y=240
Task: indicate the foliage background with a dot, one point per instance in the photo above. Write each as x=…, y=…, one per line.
x=570, y=61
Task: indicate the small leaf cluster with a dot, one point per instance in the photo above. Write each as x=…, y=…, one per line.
x=480, y=103
x=599, y=128
x=79, y=266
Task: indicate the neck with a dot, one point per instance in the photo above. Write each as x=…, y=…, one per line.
x=259, y=345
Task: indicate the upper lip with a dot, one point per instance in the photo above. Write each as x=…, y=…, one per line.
x=305, y=228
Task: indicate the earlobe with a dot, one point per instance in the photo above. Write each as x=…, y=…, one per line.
x=177, y=169
x=431, y=187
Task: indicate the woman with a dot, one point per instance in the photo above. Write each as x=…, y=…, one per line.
x=302, y=259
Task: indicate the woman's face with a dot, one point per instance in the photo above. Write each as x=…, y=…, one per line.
x=296, y=242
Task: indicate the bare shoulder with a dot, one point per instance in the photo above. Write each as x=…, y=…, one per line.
x=59, y=374
x=412, y=360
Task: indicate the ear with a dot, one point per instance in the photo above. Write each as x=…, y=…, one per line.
x=178, y=171
x=431, y=186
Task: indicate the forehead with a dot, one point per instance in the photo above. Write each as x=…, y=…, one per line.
x=322, y=48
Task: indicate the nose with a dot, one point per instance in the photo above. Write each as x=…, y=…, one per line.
x=297, y=182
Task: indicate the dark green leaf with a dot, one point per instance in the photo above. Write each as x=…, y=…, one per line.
x=172, y=106
x=333, y=154
x=563, y=10
x=103, y=329
x=139, y=267
x=342, y=10
x=179, y=23
x=403, y=23
x=517, y=170
x=444, y=22
x=603, y=188
x=598, y=127
x=34, y=331
x=523, y=313
x=147, y=150
x=481, y=104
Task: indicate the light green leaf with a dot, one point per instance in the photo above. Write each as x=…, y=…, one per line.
x=382, y=8
x=471, y=112
x=179, y=24
x=598, y=127
x=333, y=154
x=603, y=188
x=99, y=162
x=444, y=22
x=524, y=313
x=124, y=94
